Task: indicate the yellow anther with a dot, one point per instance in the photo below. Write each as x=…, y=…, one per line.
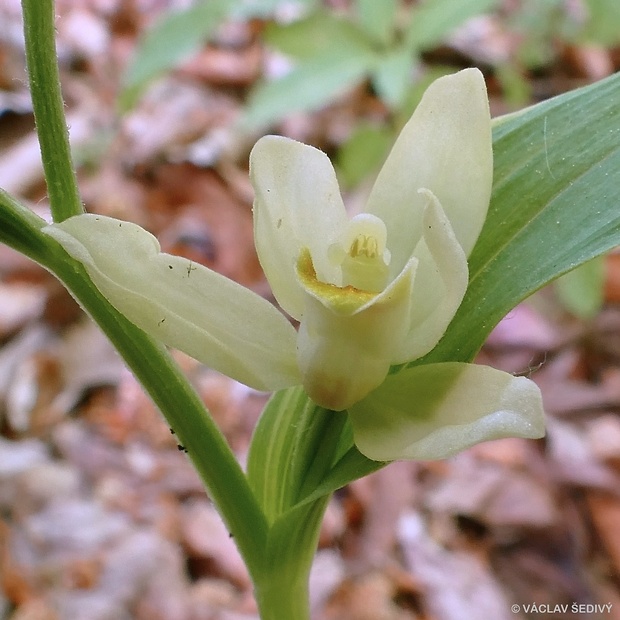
x=364, y=245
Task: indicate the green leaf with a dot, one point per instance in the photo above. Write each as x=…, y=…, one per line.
x=243, y=9
x=581, y=290
x=393, y=75
x=174, y=38
x=554, y=207
x=363, y=153
x=318, y=34
x=294, y=444
x=177, y=35
x=308, y=87
x=603, y=25
x=378, y=18
x=433, y=20
x=293, y=447
x=335, y=54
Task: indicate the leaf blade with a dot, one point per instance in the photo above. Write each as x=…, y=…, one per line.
x=537, y=227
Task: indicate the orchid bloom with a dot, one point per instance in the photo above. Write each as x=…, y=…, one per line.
x=369, y=291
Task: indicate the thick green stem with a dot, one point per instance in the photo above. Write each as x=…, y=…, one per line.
x=161, y=378
x=284, y=599
x=48, y=109
x=282, y=587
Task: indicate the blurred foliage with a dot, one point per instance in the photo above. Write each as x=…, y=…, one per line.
x=543, y=29
x=602, y=25
x=581, y=291
x=380, y=41
x=540, y=24
x=178, y=34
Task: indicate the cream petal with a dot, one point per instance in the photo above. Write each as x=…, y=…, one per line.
x=344, y=352
x=183, y=304
x=297, y=204
x=439, y=286
x=445, y=147
x=432, y=412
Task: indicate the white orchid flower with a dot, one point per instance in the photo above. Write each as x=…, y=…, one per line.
x=369, y=292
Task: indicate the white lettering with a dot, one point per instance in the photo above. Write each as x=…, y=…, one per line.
x=590, y=608
x=564, y=608
x=546, y=608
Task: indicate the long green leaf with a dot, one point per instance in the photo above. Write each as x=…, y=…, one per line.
x=555, y=206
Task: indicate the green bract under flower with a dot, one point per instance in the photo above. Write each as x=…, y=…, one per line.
x=369, y=292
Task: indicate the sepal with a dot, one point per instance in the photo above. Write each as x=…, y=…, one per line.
x=433, y=411
x=183, y=304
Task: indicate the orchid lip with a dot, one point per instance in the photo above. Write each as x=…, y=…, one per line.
x=346, y=299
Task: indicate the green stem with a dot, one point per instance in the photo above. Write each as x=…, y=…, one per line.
x=48, y=107
x=283, y=598
x=282, y=587
x=161, y=378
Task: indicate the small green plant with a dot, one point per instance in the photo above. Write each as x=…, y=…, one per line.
x=380, y=41
x=467, y=218
x=377, y=40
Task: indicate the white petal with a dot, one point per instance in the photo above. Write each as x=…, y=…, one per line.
x=345, y=351
x=434, y=411
x=439, y=286
x=183, y=304
x=445, y=147
x=297, y=204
